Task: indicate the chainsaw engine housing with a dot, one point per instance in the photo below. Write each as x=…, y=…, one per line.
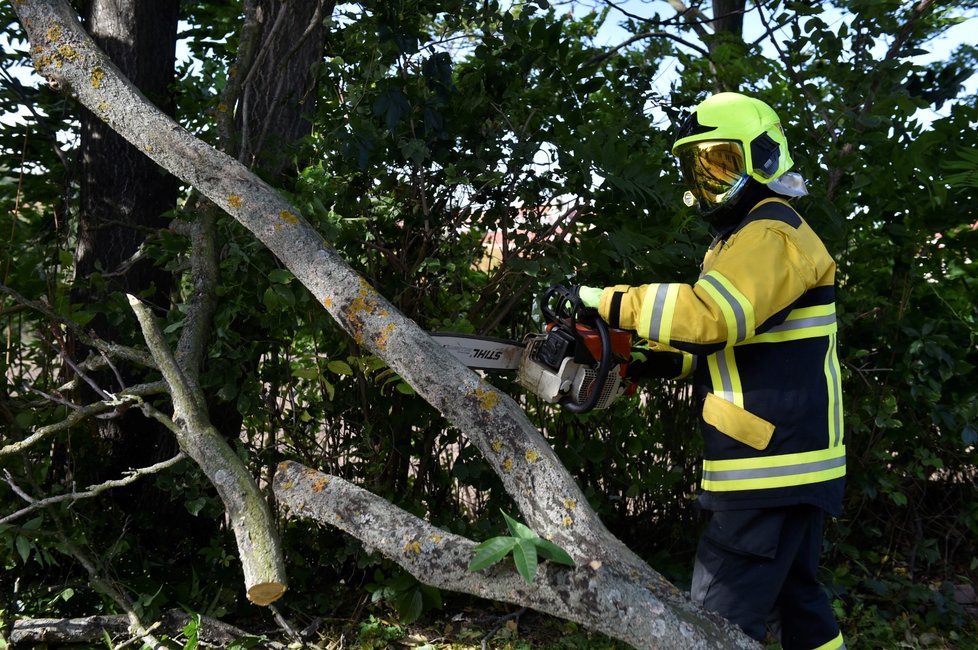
x=550, y=371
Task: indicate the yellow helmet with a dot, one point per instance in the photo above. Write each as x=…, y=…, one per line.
x=727, y=139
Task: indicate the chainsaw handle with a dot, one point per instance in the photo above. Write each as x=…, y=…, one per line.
x=559, y=303
x=563, y=307
x=604, y=367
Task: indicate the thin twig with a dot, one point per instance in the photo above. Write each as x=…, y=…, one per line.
x=82, y=413
x=139, y=637
x=134, y=355
x=51, y=398
x=499, y=624
x=638, y=37
x=284, y=624
x=112, y=366
x=91, y=491
x=101, y=392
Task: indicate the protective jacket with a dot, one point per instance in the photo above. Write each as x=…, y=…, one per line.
x=761, y=324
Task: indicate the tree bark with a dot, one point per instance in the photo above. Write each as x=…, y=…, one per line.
x=277, y=95
x=123, y=193
x=547, y=497
x=123, y=196
x=250, y=516
x=728, y=17
x=91, y=629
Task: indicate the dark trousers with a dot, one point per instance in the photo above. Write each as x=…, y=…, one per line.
x=756, y=567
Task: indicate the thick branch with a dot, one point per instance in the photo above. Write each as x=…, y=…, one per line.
x=251, y=519
x=91, y=629
x=204, y=280
x=603, y=596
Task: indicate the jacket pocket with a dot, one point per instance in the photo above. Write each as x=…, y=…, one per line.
x=740, y=424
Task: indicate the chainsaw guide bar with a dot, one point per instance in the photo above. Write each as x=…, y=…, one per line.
x=482, y=352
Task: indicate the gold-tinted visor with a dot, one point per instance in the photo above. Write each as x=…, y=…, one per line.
x=712, y=170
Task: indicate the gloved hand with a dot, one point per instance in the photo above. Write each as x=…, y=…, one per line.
x=590, y=296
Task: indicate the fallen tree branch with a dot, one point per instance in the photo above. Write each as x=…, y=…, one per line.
x=91, y=629
x=533, y=475
x=600, y=595
x=251, y=519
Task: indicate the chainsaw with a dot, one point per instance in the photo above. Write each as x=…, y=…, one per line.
x=578, y=362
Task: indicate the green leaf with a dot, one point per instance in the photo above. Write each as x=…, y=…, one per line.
x=280, y=276
x=34, y=524
x=270, y=299
x=192, y=630
x=431, y=596
x=519, y=530
x=525, y=557
x=173, y=327
x=23, y=548
x=330, y=390
x=409, y=606
x=550, y=551
x=339, y=367
x=404, y=389
x=491, y=551
x=194, y=506
x=414, y=150
x=306, y=373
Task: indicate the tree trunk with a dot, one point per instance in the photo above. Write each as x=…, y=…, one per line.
x=279, y=90
x=123, y=193
x=269, y=100
x=123, y=199
x=728, y=17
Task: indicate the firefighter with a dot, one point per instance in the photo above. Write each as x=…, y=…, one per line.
x=757, y=331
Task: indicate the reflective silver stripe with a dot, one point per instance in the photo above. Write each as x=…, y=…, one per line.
x=774, y=472
x=735, y=306
x=726, y=383
x=836, y=390
x=802, y=323
x=657, y=309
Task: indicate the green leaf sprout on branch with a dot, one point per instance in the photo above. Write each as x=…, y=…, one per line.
x=525, y=546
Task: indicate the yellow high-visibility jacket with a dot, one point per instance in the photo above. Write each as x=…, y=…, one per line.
x=761, y=324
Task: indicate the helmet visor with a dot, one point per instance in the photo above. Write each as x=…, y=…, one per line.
x=712, y=170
